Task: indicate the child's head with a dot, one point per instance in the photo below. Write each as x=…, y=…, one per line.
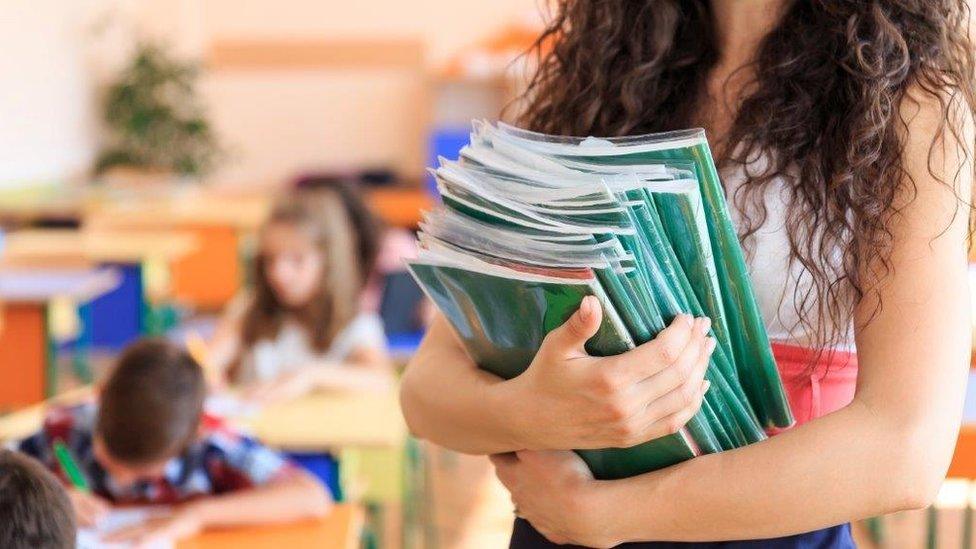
x=315, y=252
x=149, y=410
x=35, y=510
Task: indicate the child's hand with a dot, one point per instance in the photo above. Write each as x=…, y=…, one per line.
x=182, y=523
x=89, y=508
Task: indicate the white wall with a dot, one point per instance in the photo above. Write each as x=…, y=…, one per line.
x=46, y=120
x=52, y=57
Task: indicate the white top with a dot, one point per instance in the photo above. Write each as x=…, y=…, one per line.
x=774, y=278
x=292, y=350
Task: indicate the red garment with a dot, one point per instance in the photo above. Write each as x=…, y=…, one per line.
x=815, y=389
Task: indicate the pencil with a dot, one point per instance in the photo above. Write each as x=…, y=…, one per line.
x=70, y=466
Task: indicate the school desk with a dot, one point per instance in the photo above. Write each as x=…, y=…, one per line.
x=27, y=420
x=41, y=202
x=33, y=300
x=365, y=430
x=341, y=529
x=209, y=277
x=142, y=258
x=332, y=420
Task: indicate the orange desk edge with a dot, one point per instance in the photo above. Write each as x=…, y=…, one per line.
x=339, y=530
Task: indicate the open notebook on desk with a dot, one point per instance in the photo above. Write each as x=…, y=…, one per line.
x=116, y=520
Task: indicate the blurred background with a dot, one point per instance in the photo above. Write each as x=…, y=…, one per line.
x=143, y=145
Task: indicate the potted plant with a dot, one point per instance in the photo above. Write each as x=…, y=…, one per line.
x=156, y=124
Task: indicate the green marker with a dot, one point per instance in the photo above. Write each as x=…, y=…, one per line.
x=70, y=467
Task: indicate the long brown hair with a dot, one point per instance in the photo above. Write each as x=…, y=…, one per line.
x=822, y=105
x=347, y=235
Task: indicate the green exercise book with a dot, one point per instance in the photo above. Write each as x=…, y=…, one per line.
x=502, y=321
x=529, y=224
x=750, y=344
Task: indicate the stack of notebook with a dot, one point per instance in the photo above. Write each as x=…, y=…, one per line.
x=532, y=223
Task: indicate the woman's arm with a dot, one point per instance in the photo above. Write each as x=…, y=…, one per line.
x=565, y=399
x=888, y=450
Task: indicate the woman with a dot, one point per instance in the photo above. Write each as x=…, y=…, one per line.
x=844, y=132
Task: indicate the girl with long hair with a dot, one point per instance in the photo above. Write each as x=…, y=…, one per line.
x=302, y=326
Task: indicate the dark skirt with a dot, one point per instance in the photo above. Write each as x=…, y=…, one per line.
x=524, y=536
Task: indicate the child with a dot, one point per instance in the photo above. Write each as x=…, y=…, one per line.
x=35, y=512
x=147, y=442
x=303, y=327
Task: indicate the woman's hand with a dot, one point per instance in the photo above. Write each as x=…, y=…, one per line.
x=570, y=400
x=556, y=493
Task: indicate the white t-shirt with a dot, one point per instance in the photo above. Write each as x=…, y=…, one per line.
x=292, y=350
x=774, y=277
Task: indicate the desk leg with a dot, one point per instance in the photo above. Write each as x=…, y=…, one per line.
x=24, y=355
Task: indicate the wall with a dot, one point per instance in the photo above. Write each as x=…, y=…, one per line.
x=280, y=122
x=54, y=54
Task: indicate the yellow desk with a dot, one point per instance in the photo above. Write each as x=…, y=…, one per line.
x=366, y=431
x=53, y=246
x=314, y=423
x=25, y=421
x=330, y=421
x=340, y=530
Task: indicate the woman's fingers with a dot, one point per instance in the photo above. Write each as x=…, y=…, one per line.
x=568, y=340
x=660, y=399
x=673, y=423
x=688, y=369
x=665, y=350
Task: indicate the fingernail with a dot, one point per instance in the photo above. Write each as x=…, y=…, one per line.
x=706, y=324
x=705, y=386
x=689, y=320
x=586, y=308
x=709, y=344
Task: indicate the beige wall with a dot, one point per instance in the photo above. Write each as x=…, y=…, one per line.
x=274, y=123
x=283, y=121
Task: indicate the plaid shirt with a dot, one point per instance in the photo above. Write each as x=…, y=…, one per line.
x=221, y=461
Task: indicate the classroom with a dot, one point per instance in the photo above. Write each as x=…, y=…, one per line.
x=479, y=274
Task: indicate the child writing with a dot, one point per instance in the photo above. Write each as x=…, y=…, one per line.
x=148, y=442
x=302, y=327
x=35, y=512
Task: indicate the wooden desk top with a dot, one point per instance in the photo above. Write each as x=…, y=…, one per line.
x=24, y=422
x=186, y=209
x=339, y=530
x=56, y=246
x=25, y=204
x=26, y=285
x=331, y=420
x=315, y=422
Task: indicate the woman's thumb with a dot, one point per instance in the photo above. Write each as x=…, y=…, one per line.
x=573, y=334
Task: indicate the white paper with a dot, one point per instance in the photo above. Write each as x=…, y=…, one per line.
x=118, y=519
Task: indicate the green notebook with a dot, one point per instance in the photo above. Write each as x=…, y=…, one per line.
x=530, y=224
x=750, y=344
x=502, y=322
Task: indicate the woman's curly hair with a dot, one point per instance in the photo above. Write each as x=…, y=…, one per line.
x=822, y=106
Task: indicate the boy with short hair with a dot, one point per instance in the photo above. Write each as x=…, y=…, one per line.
x=35, y=510
x=149, y=442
